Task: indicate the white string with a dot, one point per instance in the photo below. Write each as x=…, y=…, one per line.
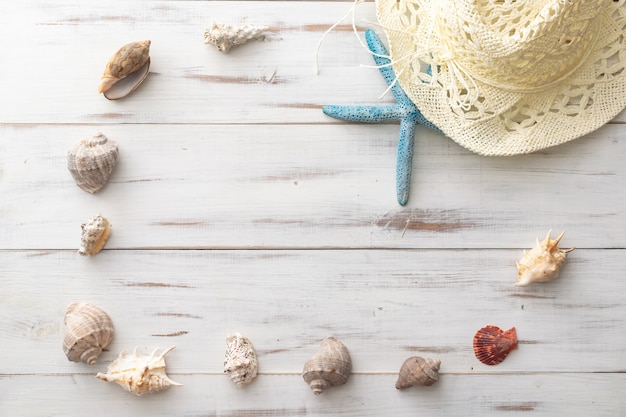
x=330, y=29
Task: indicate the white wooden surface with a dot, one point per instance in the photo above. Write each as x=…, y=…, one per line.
x=238, y=206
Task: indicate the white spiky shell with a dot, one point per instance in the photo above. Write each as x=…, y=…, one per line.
x=542, y=263
x=240, y=361
x=94, y=235
x=91, y=161
x=138, y=373
x=88, y=330
x=225, y=36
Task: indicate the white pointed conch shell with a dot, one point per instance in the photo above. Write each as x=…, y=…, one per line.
x=94, y=235
x=240, y=361
x=88, y=331
x=139, y=374
x=418, y=371
x=126, y=70
x=542, y=263
x=225, y=36
x=330, y=366
x=91, y=161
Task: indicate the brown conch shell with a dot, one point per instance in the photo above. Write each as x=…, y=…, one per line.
x=91, y=161
x=418, y=371
x=88, y=331
x=542, y=263
x=126, y=70
x=492, y=345
x=225, y=36
x=138, y=373
x=240, y=362
x=94, y=236
x=330, y=366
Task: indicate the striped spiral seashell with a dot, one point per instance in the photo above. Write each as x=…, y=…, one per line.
x=330, y=366
x=418, y=371
x=88, y=331
x=91, y=161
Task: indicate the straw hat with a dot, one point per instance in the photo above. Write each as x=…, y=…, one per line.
x=505, y=77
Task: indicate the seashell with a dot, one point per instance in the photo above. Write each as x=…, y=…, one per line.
x=542, y=263
x=91, y=161
x=418, y=371
x=330, y=366
x=88, y=331
x=240, y=362
x=492, y=345
x=138, y=373
x=225, y=36
x=95, y=234
x=126, y=70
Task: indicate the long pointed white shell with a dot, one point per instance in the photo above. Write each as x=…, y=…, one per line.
x=138, y=373
x=225, y=36
x=542, y=263
x=240, y=362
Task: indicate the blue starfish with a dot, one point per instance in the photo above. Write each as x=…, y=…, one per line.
x=404, y=111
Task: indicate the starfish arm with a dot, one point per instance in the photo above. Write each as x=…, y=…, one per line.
x=366, y=114
x=404, y=161
x=380, y=54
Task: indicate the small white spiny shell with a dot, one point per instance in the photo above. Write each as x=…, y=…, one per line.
x=240, y=361
x=418, y=371
x=330, y=366
x=94, y=236
x=88, y=330
x=542, y=263
x=91, y=161
x=225, y=36
x=139, y=374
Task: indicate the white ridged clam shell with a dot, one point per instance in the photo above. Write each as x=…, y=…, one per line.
x=139, y=374
x=88, y=330
x=91, y=161
x=94, y=235
x=240, y=361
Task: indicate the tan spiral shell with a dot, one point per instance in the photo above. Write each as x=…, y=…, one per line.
x=138, y=373
x=418, y=371
x=91, y=161
x=240, y=361
x=542, y=263
x=330, y=366
x=126, y=69
x=94, y=235
x=88, y=330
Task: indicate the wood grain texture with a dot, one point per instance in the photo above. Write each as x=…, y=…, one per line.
x=254, y=186
x=238, y=206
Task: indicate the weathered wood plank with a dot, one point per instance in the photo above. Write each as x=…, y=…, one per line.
x=385, y=305
x=224, y=186
x=60, y=51
x=288, y=396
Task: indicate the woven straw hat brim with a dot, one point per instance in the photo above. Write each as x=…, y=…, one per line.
x=510, y=122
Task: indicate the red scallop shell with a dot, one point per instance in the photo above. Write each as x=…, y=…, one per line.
x=492, y=345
